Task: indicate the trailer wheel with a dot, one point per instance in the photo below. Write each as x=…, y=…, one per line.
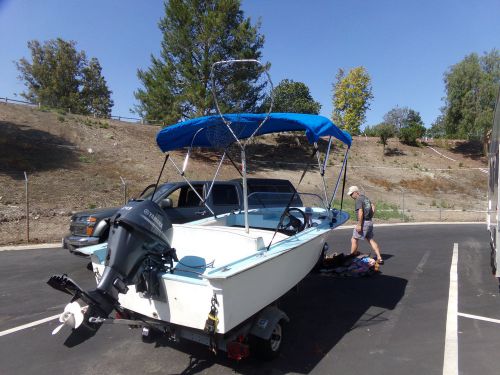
x=270, y=348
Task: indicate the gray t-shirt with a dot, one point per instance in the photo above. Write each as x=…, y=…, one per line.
x=364, y=203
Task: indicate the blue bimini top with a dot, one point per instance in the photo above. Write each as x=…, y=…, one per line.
x=211, y=131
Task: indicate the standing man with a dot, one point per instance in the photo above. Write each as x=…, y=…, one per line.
x=365, y=210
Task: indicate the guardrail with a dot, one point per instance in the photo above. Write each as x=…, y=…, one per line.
x=112, y=117
x=18, y=101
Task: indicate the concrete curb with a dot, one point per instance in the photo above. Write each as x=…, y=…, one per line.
x=32, y=246
x=379, y=225
x=58, y=244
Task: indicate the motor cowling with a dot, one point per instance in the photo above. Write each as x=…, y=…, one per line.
x=140, y=235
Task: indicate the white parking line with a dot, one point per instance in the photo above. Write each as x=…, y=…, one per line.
x=450, y=364
x=477, y=317
x=29, y=325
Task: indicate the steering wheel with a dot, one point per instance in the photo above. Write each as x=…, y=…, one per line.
x=291, y=224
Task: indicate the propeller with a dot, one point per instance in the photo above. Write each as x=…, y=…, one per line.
x=72, y=316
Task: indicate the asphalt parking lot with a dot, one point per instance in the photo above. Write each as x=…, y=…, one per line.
x=393, y=323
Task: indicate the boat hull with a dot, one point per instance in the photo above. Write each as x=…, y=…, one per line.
x=246, y=293
x=186, y=301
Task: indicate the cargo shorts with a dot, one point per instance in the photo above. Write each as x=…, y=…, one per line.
x=367, y=231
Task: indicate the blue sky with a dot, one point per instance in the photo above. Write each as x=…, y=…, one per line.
x=406, y=46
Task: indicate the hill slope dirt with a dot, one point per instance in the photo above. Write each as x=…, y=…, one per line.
x=75, y=162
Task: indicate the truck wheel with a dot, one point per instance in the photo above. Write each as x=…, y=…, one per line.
x=270, y=348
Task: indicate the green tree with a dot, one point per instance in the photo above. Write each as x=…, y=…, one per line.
x=351, y=98
x=370, y=131
x=397, y=117
x=197, y=34
x=58, y=74
x=385, y=131
x=406, y=123
x=437, y=129
x=471, y=89
x=290, y=96
x=95, y=95
x=412, y=128
x=52, y=78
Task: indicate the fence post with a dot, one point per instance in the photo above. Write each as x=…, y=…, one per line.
x=27, y=209
x=440, y=205
x=404, y=219
x=124, y=184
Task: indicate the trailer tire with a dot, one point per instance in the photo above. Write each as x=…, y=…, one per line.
x=269, y=348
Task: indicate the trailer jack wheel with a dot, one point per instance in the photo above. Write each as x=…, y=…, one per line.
x=270, y=348
x=149, y=335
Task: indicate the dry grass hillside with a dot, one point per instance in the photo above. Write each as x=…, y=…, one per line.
x=75, y=163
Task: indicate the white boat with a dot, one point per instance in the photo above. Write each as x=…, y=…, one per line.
x=213, y=280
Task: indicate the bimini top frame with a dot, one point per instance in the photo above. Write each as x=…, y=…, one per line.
x=220, y=131
x=193, y=133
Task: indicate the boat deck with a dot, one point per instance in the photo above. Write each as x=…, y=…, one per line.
x=200, y=247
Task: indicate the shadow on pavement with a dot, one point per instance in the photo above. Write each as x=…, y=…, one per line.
x=322, y=309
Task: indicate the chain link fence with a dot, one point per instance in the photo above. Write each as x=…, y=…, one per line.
x=401, y=195
x=34, y=210
x=427, y=195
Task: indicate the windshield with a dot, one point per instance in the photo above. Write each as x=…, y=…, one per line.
x=272, y=199
x=266, y=212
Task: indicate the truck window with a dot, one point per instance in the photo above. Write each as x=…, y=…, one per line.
x=224, y=195
x=186, y=197
x=273, y=186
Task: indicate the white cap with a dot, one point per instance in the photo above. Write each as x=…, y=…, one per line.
x=352, y=189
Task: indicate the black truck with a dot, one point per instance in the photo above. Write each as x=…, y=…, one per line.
x=183, y=205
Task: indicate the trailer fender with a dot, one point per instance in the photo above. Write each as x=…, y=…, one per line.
x=266, y=320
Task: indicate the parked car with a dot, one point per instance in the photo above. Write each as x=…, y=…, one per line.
x=182, y=205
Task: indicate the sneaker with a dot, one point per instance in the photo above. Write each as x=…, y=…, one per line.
x=380, y=261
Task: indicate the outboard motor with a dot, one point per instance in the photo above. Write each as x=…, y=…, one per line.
x=139, y=242
x=138, y=252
